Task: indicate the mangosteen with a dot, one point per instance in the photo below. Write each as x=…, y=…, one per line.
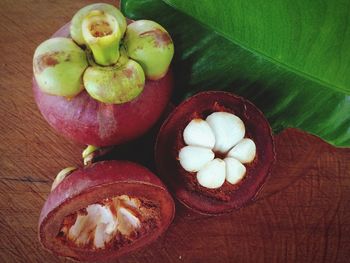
x=215, y=151
x=100, y=81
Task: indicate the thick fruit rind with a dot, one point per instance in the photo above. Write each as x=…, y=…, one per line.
x=166, y=149
x=92, y=184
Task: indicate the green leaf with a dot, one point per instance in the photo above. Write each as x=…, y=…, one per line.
x=292, y=59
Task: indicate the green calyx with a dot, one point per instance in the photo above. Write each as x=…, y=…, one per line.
x=149, y=44
x=58, y=65
x=112, y=61
x=115, y=85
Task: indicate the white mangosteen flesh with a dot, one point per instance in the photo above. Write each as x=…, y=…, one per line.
x=216, y=149
x=100, y=224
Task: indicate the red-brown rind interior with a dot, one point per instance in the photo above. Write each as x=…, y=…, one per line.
x=91, y=185
x=168, y=145
x=88, y=121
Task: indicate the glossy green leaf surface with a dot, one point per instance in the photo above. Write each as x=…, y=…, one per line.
x=292, y=59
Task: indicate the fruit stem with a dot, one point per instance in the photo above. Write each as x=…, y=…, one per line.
x=92, y=153
x=102, y=35
x=61, y=175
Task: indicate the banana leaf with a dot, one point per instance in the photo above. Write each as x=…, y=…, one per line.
x=290, y=58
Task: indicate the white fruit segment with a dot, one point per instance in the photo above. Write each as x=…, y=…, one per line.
x=199, y=133
x=235, y=170
x=101, y=223
x=212, y=175
x=193, y=158
x=223, y=133
x=244, y=151
x=128, y=221
x=228, y=130
x=98, y=217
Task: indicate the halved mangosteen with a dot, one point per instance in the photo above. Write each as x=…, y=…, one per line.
x=215, y=151
x=104, y=210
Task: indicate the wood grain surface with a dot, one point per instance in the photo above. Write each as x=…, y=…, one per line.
x=301, y=215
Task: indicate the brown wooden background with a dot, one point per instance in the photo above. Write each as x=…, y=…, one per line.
x=302, y=214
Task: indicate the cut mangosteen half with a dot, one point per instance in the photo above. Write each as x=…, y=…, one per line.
x=97, y=75
x=215, y=150
x=104, y=210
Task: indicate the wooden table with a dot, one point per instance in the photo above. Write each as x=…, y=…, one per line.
x=301, y=215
